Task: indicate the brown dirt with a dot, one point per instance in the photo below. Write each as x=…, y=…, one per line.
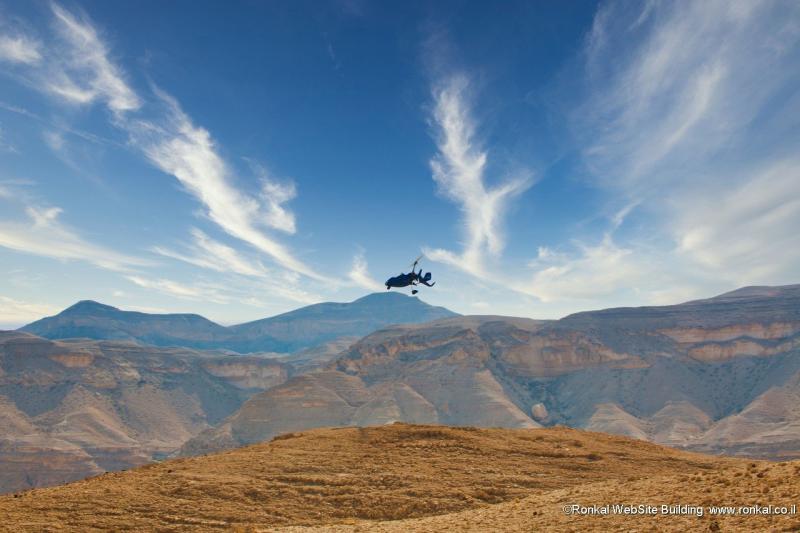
x=354, y=479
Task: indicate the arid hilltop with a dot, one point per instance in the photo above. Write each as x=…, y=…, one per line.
x=420, y=478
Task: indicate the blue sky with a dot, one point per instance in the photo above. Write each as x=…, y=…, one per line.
x=241, y=159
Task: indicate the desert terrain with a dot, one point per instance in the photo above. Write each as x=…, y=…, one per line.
x=720, y=375
x=402, y=477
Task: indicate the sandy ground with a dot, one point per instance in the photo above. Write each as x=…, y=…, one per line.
x=417, y=478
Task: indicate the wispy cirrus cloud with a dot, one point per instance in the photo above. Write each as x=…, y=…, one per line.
x=15, y=313
x=80, y=71
x=459, y=170
x=180, y=289
x=187, y=152
x=243, y=275
x=20, y=49
x=45, y=235
x=208, y=253
x=672, y=84
x=752, y=232
x=690, y=112
x=275, y=195
x=83, y=72
x=359, y=274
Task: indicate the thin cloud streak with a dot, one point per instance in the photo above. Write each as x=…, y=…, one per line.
x=16, y=313
x=19, y=49
x=253, y=277
x=85, y=73
x=211, y=254
x=359, y=274
x=82, y=73
x=459, y=170
x=44, y=235
x=179, y=148
x=687, y=115
x=169, y=287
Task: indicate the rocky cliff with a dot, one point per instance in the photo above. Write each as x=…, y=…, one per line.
x=77, y=408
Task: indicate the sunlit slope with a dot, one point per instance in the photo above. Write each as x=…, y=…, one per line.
x=337, y=476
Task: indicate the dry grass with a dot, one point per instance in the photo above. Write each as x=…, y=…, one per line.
x=356, y=479
x=730, y=484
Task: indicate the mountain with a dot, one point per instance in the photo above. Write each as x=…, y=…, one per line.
x=315, y=324
x=720, y=375
x=418, y=478
x=70, y=409
x=93, y=320
x=303, y=328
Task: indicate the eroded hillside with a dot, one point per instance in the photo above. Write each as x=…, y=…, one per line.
x=720, y=375
x=70, y=409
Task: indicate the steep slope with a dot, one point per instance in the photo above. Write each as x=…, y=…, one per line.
x=303, y=328
x=364, y=476
x=694, y=375
x=72, y=409
x=433, y=373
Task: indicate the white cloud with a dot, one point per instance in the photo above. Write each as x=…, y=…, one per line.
x=46, y=236
x=54, y=139
x=253, y=277
x=19, y=49
x=218, y=293
x=208, y=253
x=595, y=272
x=173, y=288
x=359, y=274
x=682, y=87
x=227, y=290
x=85, y=72
x=79, y=70
x=752, y=235
x=459, y=170
x=275, y=195
x=181, y=149
x=16, y=313
x=691, y=113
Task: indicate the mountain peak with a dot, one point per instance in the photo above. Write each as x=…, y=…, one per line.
x=759, y=291
x=88, y=307
x=385, y=297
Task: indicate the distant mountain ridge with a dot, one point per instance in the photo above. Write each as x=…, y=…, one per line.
x=715, y=375
x=289, y=332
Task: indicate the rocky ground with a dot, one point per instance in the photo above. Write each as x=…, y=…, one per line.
x=415, y=478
